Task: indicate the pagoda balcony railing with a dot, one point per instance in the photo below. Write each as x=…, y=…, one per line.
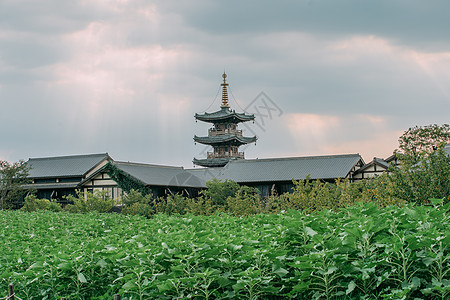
x=215, y=132
x=212, y=155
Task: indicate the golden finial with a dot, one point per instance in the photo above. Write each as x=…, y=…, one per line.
x=224, y=91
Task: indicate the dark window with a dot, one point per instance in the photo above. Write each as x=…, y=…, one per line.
x=70, y=179
x=45, y=180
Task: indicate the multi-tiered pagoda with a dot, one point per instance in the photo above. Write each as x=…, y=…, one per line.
x=224, y=137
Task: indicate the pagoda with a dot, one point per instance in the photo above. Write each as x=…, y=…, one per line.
x=224, y=136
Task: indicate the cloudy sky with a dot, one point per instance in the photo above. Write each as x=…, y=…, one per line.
x=127, y=77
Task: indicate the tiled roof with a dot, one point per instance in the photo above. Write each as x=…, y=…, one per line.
x=286, y=169
x=378, y=161
x=205, y=174
x=231, y=138
x=381, y=162
x=211, y=162
x=160, y=175
x=225, y=114
x=64, y=166
x=46, y=186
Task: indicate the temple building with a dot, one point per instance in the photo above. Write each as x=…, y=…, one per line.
x=224, y=136
x=55, y=178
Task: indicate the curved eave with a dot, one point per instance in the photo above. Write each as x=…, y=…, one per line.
x=228, y=139
x=222, y=117
x=211, y=163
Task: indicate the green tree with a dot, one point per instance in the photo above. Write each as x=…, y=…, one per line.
x=428, y=177
x=13, y=176
x=219, y=191
x=424, y=171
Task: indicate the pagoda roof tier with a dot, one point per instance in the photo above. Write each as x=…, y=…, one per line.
x=212, y=162
x=225, y=115
x=229, y=139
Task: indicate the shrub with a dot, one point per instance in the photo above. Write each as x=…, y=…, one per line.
x=202, y=206
x=172, y=204
x=247, y=201
x=86, y=202
x=137, y=204
x=309, y=196
x=135, y=196
x=219, y=191
x=32, y=203
x=140, y=209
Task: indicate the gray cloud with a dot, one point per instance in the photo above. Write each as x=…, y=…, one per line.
x=418, y=23
x=127, y=78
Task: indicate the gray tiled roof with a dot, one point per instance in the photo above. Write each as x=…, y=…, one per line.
x=226, y=138
x=381, y=162
x=286, y=169
x=225, y=114
x=211, y=162
x=46, y=186
x=377, y=161
x=205, y=174
x=160, y=175
x=64, y=166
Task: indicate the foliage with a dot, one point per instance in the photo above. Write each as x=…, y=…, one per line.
x=247, y=201
x=32, y=203
x=420, y=180
x=219, y=191
x=137, y=204
x=125, y=181
x=12, y=178
x=420, y=140
x=98, y=201
x=135, y=196
x=172, y=204
x=359, y=252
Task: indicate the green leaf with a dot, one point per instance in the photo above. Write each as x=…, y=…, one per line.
x=129, y=285
x=350, y=288
x=165, y=286
x=37, y=265
x=427, y=260
x=81, y=278
x=309, y=231
x=436, y=202
x=102, y=263
x=280, y=271
x=65, y=266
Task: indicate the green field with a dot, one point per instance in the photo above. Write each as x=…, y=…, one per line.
x=391, y=252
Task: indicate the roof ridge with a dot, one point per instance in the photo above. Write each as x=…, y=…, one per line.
x=68, y=156
x=297, y=157
x=145, y=164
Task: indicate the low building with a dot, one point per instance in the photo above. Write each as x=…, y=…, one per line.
x=276, y=175
x=159, y=180
x=372, y=169
x=55, y=178
x=58, y=177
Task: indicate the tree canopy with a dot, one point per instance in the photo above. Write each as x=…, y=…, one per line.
x=421, y=140
x=12, y=178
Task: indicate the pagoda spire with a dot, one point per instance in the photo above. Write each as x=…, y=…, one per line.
x=224, y=136
x=224, y=91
